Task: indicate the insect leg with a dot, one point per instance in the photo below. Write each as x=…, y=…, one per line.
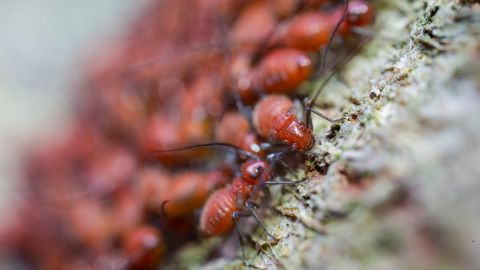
x=329, y=44
x=285, y=165
x=273, y=158
x=235, y=216
x=289, y=170
x=324, y=116
x=226, y=147
x=251, y=206
x=308, y=116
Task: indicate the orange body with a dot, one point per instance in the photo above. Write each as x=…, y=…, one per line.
x=183, y=192
x=282, y=70
x=151, y=186
x=235, y=129
x=279, y=72
x=216, y=218
x=189, y=191
x=274, y=119
x=143, y=247
x=110, y=168
x=311, y=30
x=307, y=31
x=252, y=26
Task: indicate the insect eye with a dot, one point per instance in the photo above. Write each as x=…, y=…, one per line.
x=255, y=172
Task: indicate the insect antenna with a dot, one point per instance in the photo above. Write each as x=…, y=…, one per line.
x=225, y=146
x=332, y=36
x=235, y=217
x=323, y=115
x=251, y=206
x=273, y=158
x=308, y=116
x=337, y=67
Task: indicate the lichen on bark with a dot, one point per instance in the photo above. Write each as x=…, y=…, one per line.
x=400, y=188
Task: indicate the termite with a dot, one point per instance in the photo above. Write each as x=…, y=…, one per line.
x=280, y=71
x=274, y=117
x=109, y=169
x=189, y=122
x=188, y=191
x=234, y=129
x=143, y=247
x=311, y=30
x=227, y=204
x=176, y=195
x=253, y=24
x=90, y=223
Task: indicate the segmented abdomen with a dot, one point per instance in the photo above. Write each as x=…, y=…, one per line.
x=217, y=213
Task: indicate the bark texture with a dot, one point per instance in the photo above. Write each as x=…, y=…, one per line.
x=401, y=175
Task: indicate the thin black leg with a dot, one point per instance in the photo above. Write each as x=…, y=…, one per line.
x=289, y=170
x=292, y=183
x=324, y=116
x=251, y=206
x=235, y=216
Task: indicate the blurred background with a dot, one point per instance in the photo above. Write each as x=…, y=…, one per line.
x=41, y=50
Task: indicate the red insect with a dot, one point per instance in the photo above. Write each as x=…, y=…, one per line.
x=188, y=122
x=274, y=119
x=257, y=20
x=227, y=203
x=311, y=30
x=252, y=26
x=235, y=129
x=280, y=71
x=91, y=223
x=143, y=247
x=178, y=194
x=188, y=191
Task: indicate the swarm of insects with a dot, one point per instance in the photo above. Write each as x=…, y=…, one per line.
x=192, y=79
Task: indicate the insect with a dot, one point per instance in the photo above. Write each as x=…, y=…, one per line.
x=311, y=30
x=273, y=118
x=280, y=71
x=235, y=129
x=175, y=208
x=227, y=204
x=143, y=247
x=253, y=24
x=149, y=95
x=188, y=191
x=188, y=122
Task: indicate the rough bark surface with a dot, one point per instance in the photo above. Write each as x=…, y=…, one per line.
x=400, y=189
